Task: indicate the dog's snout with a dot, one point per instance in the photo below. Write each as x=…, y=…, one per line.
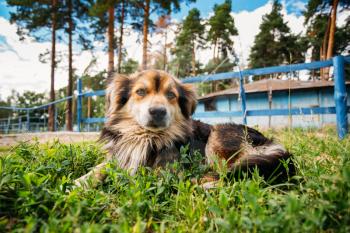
x=157, y=112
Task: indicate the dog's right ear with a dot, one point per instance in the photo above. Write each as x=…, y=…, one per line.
x=117, y=93
x=187, y=99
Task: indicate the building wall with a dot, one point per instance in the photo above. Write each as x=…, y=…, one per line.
x=323, y=97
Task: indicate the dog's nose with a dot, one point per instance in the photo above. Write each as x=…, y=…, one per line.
x=157, y=112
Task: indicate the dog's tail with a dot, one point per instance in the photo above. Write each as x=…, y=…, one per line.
x=271, y=160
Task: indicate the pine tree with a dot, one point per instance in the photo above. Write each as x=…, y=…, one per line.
x=222, y=28
x=146, y=8
x=275, y=44
x=191, y=37
x=317, y=8
x=130, y=66
x=33, y=17
x=76, y=21
x=162, y=27
x=180, y=65
x=104, y=21
x=124, y=6
x=320, y=16
x=69, y=111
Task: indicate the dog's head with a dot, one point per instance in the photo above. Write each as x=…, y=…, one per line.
x=153, y=99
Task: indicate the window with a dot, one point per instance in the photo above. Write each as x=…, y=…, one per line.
x=210, y=105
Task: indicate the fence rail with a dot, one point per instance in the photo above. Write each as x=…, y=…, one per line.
x=340, y=107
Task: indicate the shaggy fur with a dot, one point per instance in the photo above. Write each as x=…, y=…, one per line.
x=149, y=118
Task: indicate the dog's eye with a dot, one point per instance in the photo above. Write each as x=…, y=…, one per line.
x=170, y=95
x=141, y=92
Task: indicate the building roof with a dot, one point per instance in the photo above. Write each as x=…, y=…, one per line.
x=266, y=85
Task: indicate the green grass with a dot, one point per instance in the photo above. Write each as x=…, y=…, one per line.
x=4, y=149
x=36, y=195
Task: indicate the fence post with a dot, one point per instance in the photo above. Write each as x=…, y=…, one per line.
x=340, y=96
x=44, y=122
x=79, y=102
x=19, y=124
x=28, y=121
x=8, y=125
x=55, y=121
x=243, y=99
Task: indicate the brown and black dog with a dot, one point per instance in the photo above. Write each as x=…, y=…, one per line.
x=149, y=118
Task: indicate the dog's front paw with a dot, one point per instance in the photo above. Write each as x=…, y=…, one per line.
x=82, y=182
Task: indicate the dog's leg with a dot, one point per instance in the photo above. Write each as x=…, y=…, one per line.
x=93, y=177
x=242, y=149
x=164, y=157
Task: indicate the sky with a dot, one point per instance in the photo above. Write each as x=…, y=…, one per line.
x=20, y=68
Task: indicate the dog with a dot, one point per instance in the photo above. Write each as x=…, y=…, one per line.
x=149, y=119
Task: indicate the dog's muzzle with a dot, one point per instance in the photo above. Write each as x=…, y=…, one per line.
x=158, y=116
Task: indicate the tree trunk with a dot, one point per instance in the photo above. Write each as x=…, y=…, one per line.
x=165, y=59
x=51, y=120
x=69, y=125
x=214, y=51
x=89, y=107
x=332, y=29
x=193, y=60
x=322, y=69
x=178, y=70
x=213, y=83
x=325, y=39
x=121, y=30
x=110, y=40
x=323, y=49
x=145, y=34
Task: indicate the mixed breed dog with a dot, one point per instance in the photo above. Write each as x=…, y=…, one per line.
x=149, y=119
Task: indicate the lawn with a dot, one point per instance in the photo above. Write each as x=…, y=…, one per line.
x=36, y=192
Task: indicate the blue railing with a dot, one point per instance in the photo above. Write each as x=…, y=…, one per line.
x=340, y=95
x=27, y=123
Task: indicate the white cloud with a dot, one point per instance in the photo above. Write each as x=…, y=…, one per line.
x=296, y=6
x=247, y=23
x=20, y=68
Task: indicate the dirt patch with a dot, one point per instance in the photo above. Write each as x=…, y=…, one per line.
x=65, y=137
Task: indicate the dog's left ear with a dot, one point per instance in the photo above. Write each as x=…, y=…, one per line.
x=187, y=99
x=118, y=93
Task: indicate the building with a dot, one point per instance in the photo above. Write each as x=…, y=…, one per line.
x=273, y=94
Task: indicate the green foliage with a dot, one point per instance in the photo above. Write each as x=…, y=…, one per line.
x=160, y=7
x=180, y=65
x=4, y=112
x=315, y=7
x=27, y=99
x=316, y=30
x=98, y=11
x=36, y=192
x=81, y=22
x=318, y=20
x=189, y=39
x=192, y=30
x=219, y=65
x=275, y=44
x=129, y=66
x=222, y=28
x=216, y=65
x=33, y=17
x=97, y=104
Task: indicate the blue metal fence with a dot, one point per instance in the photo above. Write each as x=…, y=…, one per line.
x=28, y=123
x=340, y=96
